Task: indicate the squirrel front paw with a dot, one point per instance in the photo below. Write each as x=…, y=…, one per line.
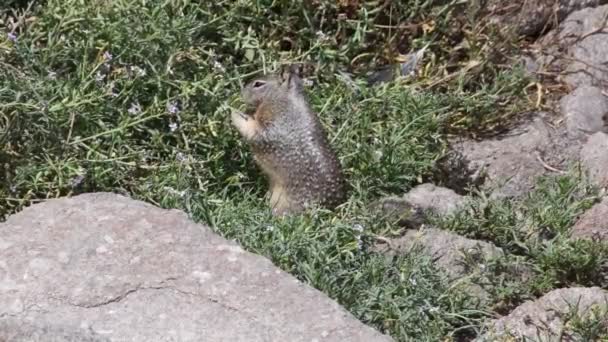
x=245, y=124
x=238, y=116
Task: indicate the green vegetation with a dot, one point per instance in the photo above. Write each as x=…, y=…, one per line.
x=535, y=233
x=135, y=97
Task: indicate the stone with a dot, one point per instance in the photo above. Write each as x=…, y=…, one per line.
x=398, y=210
x=446, y=248
x=439, y=200
x=511, y=163
x=543, y=319
x=583, y=38
x=453, y=171
x=12, y=330
x=128, y=271
x=412, y=209
x=594, y=158
x=593, y=223
x=531, y=18
x=463, y=260
x=566, y=7
x=585, y=110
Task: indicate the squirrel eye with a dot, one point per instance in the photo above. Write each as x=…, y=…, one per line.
x=258, y=84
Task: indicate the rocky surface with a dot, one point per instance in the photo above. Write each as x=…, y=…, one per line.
x=412, y=209
x=513, y=162
x=447, y=249
x=594, y=158
x=128, y=271
x=12, y=330
x=543, y=319
x=578, y=48
x=594, y=223
x=436, y=199
x=530, y=18
x=462, y=259
x=585, y=111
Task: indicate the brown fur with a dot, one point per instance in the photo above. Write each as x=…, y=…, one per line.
x=290, y=145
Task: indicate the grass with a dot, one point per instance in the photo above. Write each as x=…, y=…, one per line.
x=135, y=97
x=535, y=234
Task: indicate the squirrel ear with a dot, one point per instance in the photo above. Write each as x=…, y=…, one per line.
x=290, y=75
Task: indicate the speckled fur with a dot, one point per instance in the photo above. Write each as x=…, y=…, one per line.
x=290, y=145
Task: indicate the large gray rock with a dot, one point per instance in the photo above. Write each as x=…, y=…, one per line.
x=512, y=163
x=12, y=330
x=594, y=223
x=585, y=110
x=543, y=319
x=463, y=260
x=594, y=157
x=412, y=209
x=589, y=51
x=128, y=271
x=530, y=18
x=436, y=199
x=579, y=47
x=448, y=250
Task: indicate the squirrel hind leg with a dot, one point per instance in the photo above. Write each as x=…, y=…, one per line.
x=281, y=203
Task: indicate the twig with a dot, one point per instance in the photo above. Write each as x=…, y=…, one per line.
x=547, y=166
x=117, y=129
x=539, y=94
x=72, y=119
x=384, y=240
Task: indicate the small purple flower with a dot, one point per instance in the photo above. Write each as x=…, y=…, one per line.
x=76, y=181
x=112, y=89
x=134, y=109
x=172, y=108
x=99, y=77
x=138, y=71
x=107, y=56
x=173, y=127
x=218, y=66
x=12, y=37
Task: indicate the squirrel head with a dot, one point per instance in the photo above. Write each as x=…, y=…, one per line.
x=274, y=87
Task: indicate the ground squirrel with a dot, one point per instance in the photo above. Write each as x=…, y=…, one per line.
x=290, y=145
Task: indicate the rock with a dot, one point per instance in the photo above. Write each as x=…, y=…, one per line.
x=585, y=110
x=566, y=7
x=594, y=157
x=456, y=255
x=411, y=209
x=129, y=271
x=12, y=330
x=579, y=47
x=446, y=248
x=593, y=223
x=454, y=171
x=512, y=163
x=531, y=18
x=543, y=319
x=441, y=201
x=588, y=51
x=398, y=210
